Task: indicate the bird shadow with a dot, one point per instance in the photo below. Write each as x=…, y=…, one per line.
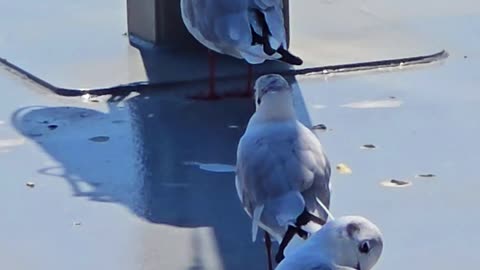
x=144, y=153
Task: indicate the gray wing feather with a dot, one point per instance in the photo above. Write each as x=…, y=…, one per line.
x=221, y=23
x=273, y=12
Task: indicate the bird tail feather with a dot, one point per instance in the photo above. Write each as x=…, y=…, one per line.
x=257, y=213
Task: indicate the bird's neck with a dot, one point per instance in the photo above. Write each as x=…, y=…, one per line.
x=276, y=107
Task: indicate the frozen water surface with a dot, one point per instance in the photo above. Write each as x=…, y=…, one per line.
x=111, y=189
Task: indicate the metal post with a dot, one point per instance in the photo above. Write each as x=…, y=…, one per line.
x=141, y=19
x=170, y=28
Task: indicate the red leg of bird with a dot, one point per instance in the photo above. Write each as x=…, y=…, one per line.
x=211, y=79
x=211, y=84
x=249, y=92
x=268, y=246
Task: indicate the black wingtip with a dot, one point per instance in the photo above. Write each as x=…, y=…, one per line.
x=289, y=58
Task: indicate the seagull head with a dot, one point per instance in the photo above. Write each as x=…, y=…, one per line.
x=268, y=86
x=355, y=242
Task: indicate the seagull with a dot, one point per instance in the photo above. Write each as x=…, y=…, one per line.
x=346, y=243
x=282, y=176
x=253, y=30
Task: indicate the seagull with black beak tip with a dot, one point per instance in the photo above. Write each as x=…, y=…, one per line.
x=282, y=171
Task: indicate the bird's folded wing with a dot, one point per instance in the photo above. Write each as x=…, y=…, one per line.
x=275, y=162
x=231, y=34
x=274, y=17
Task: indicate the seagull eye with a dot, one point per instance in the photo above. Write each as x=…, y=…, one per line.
x=259, y=101
x=364, y=247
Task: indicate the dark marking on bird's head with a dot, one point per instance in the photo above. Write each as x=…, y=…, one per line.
x=270, y=83
x=352, y=229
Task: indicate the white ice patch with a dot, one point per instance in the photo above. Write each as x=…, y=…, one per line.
x=212, y=167
x=374, y=104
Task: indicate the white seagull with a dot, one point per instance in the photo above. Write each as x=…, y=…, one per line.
x=347, y=243
x=253, y=30
x=282, y=172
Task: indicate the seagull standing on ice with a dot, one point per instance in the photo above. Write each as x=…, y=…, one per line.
x=282, y=172
x=347, y=243
x=253, y=30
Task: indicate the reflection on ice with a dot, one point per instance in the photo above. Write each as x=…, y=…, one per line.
x=212, y=167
